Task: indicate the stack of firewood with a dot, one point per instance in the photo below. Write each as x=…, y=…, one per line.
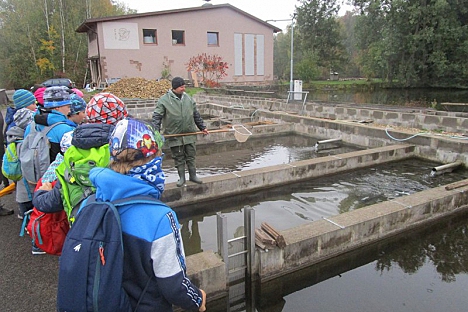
x=268, y=238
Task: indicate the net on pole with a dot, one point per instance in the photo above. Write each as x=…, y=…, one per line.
x=241, y=133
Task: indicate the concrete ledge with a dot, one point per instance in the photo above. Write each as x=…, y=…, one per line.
x=256, y=179
x=207, y=270
x=423, y=118
x=321, y=240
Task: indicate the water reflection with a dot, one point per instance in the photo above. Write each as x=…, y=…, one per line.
x=225, y=157
x=420, y=271
x=191, y=236
x=447, y=252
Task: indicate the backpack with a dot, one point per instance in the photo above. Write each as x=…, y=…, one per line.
x=11, y=166
x=48, y=230
x=73, y=174
x=92, y=260
x=34, y=153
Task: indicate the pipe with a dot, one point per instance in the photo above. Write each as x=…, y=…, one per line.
x=323, y=144
x=444, y=168
x=329, y=141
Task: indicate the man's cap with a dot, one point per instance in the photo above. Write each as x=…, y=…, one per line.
x=177, y=82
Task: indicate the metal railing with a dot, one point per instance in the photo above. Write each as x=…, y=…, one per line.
x=238, y=256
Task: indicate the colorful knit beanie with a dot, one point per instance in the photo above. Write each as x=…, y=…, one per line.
x=105, y=108
x=23, y=98
x=77, y=104
x=56, y=97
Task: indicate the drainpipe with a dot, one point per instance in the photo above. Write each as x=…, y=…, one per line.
x=444, y=168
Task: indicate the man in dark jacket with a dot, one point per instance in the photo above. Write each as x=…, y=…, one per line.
x=178, y=113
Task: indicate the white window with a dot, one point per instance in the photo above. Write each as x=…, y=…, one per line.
x=213, y=38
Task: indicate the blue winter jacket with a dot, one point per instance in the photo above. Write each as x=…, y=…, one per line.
x=152, y=243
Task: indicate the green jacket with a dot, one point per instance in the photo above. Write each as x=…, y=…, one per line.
x=177, y=116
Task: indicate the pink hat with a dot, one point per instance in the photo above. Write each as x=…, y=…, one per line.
x=78, y=92
x=38, y=94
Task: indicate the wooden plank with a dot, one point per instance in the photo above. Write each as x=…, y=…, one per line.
x=264, y=237
x=456, y=185
x=279, y=239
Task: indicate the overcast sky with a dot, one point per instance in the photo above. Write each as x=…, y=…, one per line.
x=262, y=9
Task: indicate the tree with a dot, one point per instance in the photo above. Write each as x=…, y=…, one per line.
x=211, y=68
x=319, y=33
x=282, y=55
x=38, y=38
x=417, y=42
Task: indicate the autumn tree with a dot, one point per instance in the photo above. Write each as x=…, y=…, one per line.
x=210, y=68
x=38, y=38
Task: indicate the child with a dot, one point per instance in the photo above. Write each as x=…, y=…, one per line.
x=151, y=236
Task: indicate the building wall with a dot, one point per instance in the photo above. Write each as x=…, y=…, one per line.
x=138, y=59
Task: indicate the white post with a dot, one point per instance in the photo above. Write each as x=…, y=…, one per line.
x=291, y=89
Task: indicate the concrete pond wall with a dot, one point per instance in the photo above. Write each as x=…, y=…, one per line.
x=323, y=239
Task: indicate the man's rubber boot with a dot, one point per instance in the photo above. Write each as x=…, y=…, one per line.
x=193, y=175
x=181, y=171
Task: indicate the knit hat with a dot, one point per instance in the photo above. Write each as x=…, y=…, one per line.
x=177, y=82
x=56, y=97
x=78, y=92
x=38, y=94
x=66, y=140
x=23, y=98
x=23, y=117
x=77, y=105
x=135, y=134
x=105, y=108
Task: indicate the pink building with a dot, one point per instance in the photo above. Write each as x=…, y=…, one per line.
x=152, y=45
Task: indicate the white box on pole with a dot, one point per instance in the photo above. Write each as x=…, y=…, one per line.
x=298, y=90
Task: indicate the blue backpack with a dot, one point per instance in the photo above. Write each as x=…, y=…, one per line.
x=92, y=260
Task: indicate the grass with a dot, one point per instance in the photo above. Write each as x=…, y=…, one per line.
x=345, y=82
x=192, y=91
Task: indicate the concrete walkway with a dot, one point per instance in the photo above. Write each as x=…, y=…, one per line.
x=27, y=282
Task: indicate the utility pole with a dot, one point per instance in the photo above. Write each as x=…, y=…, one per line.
x=291, y=74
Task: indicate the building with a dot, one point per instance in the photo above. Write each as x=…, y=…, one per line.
x=155, y=44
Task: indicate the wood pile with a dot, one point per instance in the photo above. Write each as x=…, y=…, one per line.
x=139, y=88
x=267, y=237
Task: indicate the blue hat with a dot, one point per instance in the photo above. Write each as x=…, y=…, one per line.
x=56, y=97
x=23, y=98
x=77, y=104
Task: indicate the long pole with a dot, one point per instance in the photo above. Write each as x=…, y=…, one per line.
x=291, y=73
x=291, y=86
